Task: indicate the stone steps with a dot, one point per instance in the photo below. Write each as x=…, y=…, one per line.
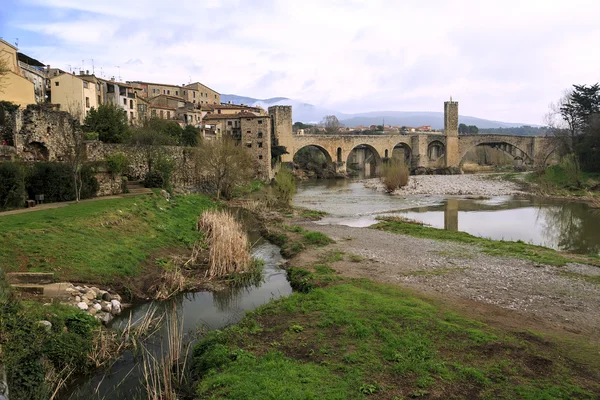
x=135, y=188
x=28, y=288
x=29, y=278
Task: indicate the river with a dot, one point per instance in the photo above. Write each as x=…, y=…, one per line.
x=558, y=224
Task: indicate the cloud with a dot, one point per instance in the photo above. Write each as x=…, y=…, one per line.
x=504, y=60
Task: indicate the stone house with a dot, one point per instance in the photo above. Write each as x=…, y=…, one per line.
x=35, y=72
x=14, y=87
x=121, y=95
x=205, y=94
x=75, y=94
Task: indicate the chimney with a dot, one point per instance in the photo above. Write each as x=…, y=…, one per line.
x=112, y=78
x=47, y=68
x=87, y=71
x=80, y=72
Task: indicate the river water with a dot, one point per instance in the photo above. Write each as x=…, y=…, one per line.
x=558, y=224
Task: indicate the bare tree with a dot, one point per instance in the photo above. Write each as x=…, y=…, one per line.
x=71, y=148
x=332, y=124
x=562, y=122
x=224, y=165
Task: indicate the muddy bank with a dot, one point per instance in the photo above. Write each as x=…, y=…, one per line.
x=473, y=185
x=519, y=292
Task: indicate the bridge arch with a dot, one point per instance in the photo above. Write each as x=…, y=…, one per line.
x=323, y=150
x=519, y=155
x=402, y=152
x=364, y=157
x=436, y=150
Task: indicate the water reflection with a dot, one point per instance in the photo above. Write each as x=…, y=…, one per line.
x=552, y=223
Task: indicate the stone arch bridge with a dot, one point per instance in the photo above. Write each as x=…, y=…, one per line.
x=420, y=150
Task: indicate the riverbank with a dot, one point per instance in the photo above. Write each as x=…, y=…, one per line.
x=452, y=185
x=339, y=337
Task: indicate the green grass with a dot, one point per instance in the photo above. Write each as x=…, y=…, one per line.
x=251, y=187
x=517, y=249
x=352, y=339
x=101, y=241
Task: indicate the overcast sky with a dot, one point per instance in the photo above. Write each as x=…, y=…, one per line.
x=502, y=60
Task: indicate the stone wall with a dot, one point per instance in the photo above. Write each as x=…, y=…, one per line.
x=183, y=157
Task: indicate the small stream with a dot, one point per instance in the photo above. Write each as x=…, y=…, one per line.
x=558, y=224
x=200, y=311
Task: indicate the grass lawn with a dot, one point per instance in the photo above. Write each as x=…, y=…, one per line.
x=101, y=241
x=355, y=339
x=518, y=249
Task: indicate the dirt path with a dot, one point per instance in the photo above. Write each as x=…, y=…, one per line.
x=507, y=291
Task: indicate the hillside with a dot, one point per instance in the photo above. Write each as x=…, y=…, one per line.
x=309, y=113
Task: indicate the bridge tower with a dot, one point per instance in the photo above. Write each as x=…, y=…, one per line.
x=451, y=133
x=281, y=130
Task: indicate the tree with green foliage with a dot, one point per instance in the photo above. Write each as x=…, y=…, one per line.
x=167, y=128
x=109, y=121
x=190, y=136
x=301, y=125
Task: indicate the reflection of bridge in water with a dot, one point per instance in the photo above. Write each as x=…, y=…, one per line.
x=429, y=150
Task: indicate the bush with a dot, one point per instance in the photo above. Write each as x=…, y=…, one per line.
x=90, y=135
x=160, y=175
x=285, y=185
x=394, y=175
x=55, y=182
x=12, y=185
x=117, y=163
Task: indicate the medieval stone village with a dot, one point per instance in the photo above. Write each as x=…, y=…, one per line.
x=159, y=241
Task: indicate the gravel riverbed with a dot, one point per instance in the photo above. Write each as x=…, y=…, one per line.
x=518, y=293
x=472, y=185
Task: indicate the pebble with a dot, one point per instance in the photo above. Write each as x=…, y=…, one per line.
x=106, y=296
x=116, y=307
x=92, y=311
x=77, y=299
x=82, y=306
x=466, y=184
x=46, y=324
x=97, y=306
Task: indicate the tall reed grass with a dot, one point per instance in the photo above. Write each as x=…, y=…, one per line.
x=229, y=250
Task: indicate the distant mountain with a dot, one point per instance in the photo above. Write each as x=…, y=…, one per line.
x=309, y=113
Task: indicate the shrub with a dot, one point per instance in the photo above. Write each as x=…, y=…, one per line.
x=12, y=185
x=285, y=185
x=160, y=175
x=90, y=136
x=55, y=182
x=190, y=136
x=117, y=163
x=394, y=175
x=229, y=248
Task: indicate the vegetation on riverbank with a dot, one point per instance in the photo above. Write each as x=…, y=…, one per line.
x=349, y=339
x=100, y=242
x=518, y=249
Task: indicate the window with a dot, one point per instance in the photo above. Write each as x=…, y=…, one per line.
x=260, y=121
x=260, y=157
x=85, y=84
x=168, y=92
x=164, y=91
x=125, y=102
x=184, y=92
x=228, y=123
x=249, y=145
x=248, y=132
x=259, y=135
x=219, y=111
x=259, y=144
x=168, y=114
x=131, y=115
x=153, y=113
x=87, y=102
x=56, y=83
x=162, y=114
x=131, y=104
x=194, y=95
x=177, y=93
x=99, y=100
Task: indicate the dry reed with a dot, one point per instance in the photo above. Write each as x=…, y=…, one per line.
x=229, y=251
